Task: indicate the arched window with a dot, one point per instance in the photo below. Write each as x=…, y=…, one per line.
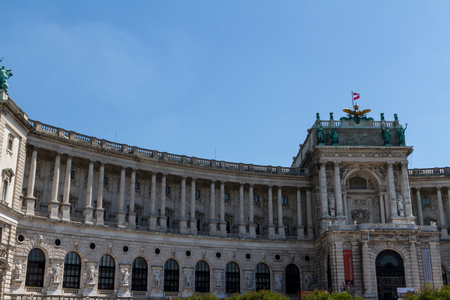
x=357, y=183
x=139, y=275
x=35, y=268
x=262, y=277
x=232, y=278
x=72, y=271
x=106, y=271
x=444, y=275
x=171, y=276
x=202, y=277
x=292, y=274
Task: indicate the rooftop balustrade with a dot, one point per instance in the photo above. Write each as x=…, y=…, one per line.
x=162, y=156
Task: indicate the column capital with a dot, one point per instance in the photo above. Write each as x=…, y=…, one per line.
x=102, y=163
x=404, y=163
x=241, y=183
x=280, y=187
x=337, y=163
x=390, y=163
x=91, y=161
x=418, y=188
x=270, y=186
x=58, y=153
x=251, y=185
x=35, y=147
x=134, y=169
x=438, y=187
x=164, y=173
x=323, y=163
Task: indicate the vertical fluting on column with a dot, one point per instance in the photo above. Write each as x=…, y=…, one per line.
x=30, y=199
x=153, y=216
x=88, y=209
x=345, y=204
x=391, y=184
x=120, y=216
x=281, y=231
x=99, y=213
x=419, y=206
x=382, y=209
x=300, y=228
x=309, y=221
x=66, y=194
x=183, y=220
x=212, y=210
x=414, y=266
x=367, y=267
x=131, y=213
x=223, y=224
x=337, y=188
x=436, y=266
x=242, y=226
x=162, y=210
x=406, y=191
x=53, y=206
x=443, y=225
x=251, y=216
x=193, y=220
x=339, y=266
x=271, y=226
x=323, y=189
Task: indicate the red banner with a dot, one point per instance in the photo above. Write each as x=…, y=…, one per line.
x=348, y=267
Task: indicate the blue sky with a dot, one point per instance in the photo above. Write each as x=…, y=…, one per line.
x=238, y=81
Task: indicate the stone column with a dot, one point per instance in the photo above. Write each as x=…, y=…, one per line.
x=270, y=226
x=391, y=184
x=183, y=220
x=30, y=199
x=436, y=265
x=281, y=231
x=120, y=215
x=222, y=224
x=65, y=206
x=356, y=253
x=99, y=213
x=88, y=209
x=212, y=210
x=406, y=191
x=419, y=206
x=323, y=189
x=193, y=220
x=53, y=206
x=382, y=209
x=442, y=224
x=162, y=211
x=414, y=266
x=251, y=216
x=131, y=213
x=339, y=266
x=300, y=228
x=309, y=222
x=367, y=267
x=345, y=202
x=153, y=216
x=337, y=188
x=241, y=227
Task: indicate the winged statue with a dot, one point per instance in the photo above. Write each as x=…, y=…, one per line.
x=356, y=112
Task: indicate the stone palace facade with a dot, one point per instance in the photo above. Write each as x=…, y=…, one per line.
x=87, y=217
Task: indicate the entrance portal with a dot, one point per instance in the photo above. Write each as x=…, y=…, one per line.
x=390, y=274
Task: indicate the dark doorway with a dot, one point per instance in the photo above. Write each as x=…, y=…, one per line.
x=390, y=274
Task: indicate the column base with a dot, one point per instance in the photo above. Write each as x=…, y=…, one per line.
x=132, y=220
x=223, y=228
x=252, y=230
x=310, y=233
x=120, y=217
x=183, y=226
x=212, y=228
x=163, y=223
x=193, y=226
x=300, y=232
x=31, y=201
x=242, y=229
x=99, y=215
x=152, y=222
x=65, y=207
x=88, y=213
x=281, y=232
x=53, y=210
x=271, y=231
x=444, y=233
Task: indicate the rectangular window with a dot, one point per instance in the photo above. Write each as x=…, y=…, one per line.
x=137, y=186
x=10, y=143
x=167, y=190
x=255, y=199
x=4, y=190
x=284, y=200
x=426, y=202
x=105, y=180
x=227, y=197
x=72, y=174
x=197, y=194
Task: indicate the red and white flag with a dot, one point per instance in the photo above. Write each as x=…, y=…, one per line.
x=355, y=96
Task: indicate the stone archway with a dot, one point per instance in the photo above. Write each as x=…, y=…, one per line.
x=390, y=274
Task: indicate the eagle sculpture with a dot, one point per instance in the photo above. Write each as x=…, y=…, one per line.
x=356, y=113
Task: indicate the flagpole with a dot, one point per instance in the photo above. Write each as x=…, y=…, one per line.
x=353, y=104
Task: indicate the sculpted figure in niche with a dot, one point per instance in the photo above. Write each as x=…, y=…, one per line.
x=17, y=270
x=308, y=281
x=188, y=280
x=249, y=280
x=157, y=278
x=54, y=273
x=278, y=282
x=125, y=277
x=219, y=280
x=332, y=205
x=400, y=206
x=91, y=275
